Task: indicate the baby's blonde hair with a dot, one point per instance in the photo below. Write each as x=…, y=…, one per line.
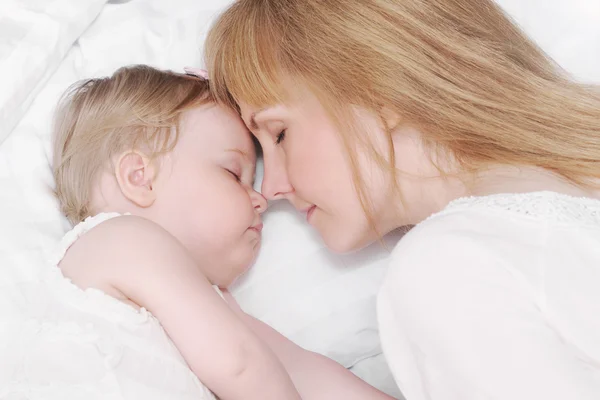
x=459, y=71
x=138, y=107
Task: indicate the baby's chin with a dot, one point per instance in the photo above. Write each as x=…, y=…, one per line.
x=240, y=267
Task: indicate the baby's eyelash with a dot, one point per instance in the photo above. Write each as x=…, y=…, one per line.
x=280, y=137
x=236, y=176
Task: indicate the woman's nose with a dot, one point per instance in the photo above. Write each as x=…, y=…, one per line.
x=276, y=184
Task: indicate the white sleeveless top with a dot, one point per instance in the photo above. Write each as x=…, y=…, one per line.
x=69, y=343
x=497, y=297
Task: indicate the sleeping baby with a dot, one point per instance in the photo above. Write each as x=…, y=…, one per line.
x=158, y=181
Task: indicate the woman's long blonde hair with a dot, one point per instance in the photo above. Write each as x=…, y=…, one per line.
x=138, y=107
x=459, y=71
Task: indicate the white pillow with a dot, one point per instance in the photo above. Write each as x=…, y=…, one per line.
x=34, y=38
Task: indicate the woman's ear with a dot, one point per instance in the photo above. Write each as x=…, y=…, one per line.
x=135, y=174
x=390, y=118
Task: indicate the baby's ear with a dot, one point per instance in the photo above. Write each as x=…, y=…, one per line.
x=135, y=174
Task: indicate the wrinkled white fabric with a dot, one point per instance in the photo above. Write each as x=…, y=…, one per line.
x=64, y=343
x=497, y=297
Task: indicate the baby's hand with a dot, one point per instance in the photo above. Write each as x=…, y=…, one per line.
x=155, y=271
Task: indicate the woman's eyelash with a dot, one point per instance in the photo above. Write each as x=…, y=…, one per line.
x=280, y=137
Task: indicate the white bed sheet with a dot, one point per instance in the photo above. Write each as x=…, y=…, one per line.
x=35, y=36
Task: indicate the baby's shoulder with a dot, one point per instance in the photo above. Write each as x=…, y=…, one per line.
x=118, y=249
x=129, y=231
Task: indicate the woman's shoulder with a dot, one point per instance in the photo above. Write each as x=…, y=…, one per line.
x=463, y=252
x=458, y=237
x=488, y=278
x=509, y=217
x=478, y=237
x=547, y=207
x=473, y=223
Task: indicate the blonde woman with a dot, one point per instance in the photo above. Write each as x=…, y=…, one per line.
x=377, y=114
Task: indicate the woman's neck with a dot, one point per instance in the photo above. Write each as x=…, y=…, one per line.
x=426, y=196
x=524, y=179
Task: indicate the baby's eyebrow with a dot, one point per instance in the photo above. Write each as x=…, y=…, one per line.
x=241, y=152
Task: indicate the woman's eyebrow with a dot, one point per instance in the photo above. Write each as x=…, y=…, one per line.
x=253, y=125
x=255, y=115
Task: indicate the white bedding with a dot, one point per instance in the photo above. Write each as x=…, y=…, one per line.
x=322, y=301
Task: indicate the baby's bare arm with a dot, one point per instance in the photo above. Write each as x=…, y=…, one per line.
x=155, y=271
x=316, y=377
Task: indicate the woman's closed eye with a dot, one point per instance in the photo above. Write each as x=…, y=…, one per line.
x=280, y=137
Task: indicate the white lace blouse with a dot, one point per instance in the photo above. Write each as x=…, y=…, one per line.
x=497, y=297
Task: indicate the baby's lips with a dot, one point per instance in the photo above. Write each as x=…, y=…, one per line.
x=258, y=227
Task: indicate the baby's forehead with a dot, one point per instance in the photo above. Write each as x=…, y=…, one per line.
x=217, y=126
x=239, y=140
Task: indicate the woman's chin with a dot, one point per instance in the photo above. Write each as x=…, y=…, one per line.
x=343, y=242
